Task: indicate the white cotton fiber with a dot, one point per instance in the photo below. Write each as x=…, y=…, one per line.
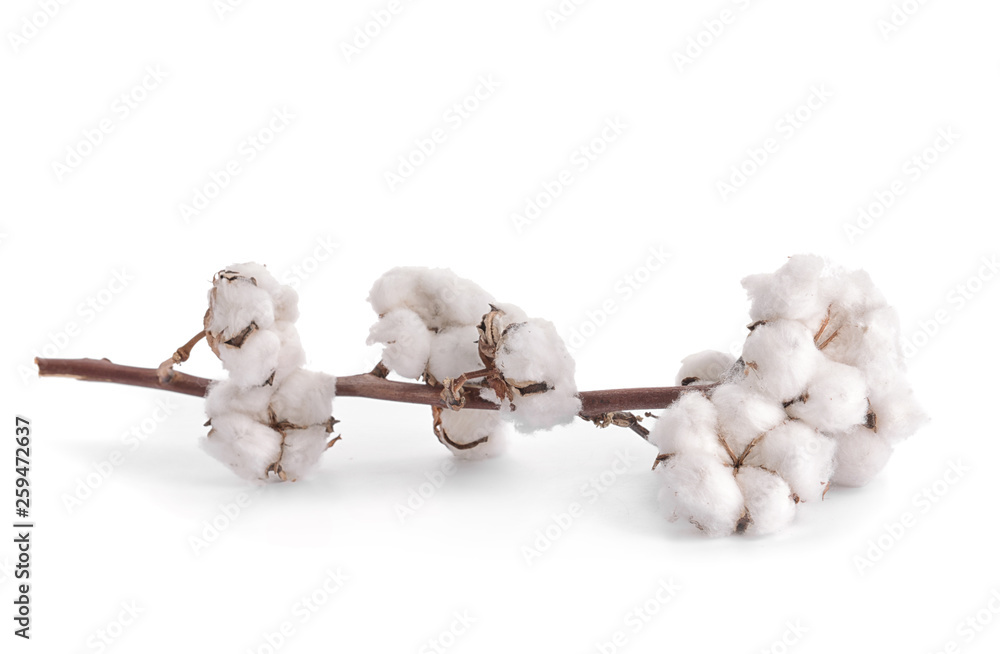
x=440, y=297
x=304, y=398
x=706, y=367
x=302, y=450
x=532, y=352
x=469, y=426
x=798, y=454
x=453, y=351
x=699, y=489
x=689, y=425
x=790, y=293
x=285, y=299
x=407, y=341
x=291, y=356
x=850, y=295
x=767, y=499
x=897, y=413
x=780, y=359
x=861, y=454
x=253, y=363
x=835, y=399
x=511, y=314
x=226, y=396
x=236, y=301
x=870, y=343
x=243, y=444
x=744, y=414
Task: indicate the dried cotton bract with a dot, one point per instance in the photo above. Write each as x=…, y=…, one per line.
x=818, y=397
x=436, y=326
x=270, y=420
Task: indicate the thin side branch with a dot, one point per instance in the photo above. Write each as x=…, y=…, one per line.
x=370, y=385
x=166, y=369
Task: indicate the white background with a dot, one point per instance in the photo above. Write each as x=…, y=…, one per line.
x=66, y=233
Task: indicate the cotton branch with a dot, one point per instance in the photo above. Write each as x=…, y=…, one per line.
x=371, y=385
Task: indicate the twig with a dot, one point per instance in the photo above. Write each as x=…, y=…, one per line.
x=370, y=385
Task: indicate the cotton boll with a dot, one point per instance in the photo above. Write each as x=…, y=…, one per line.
x=780, y=359
x=689, y=425
x=861, y=454
x=767, y=499
x=701, y=490
x=800, y=455
x=468, y=426
x=407, y=341
x=303, y=448
x=835, y=399
x=243, y=444
x=440, y=297
x=898, y=415
x=705, y=367
x=251, y=328
x=532, y=353
x=792, y=292
x=305, y=398
x=228, y=397
x=744, y=414
x=253, y=363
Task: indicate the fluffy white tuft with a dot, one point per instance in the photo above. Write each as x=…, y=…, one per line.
x=532, y=352
x=701, y=490
x=768, y=500
x=705, y=367
x=689, y=425
x=439, y=296
x=861, y=454
x=745, y=414
x=835, y=400
x=800, y=455
x=407, y=341
x=245, y=445
x=780, y=359
x=790, y=293
x=454, y=350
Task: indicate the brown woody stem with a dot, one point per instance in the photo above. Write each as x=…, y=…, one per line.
x=364, y=385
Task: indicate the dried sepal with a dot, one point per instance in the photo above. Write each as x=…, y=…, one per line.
x=442, y=433
x=490, y=336
x=241, y=337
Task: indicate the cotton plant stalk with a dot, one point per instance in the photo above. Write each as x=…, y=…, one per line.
x=818, y=397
